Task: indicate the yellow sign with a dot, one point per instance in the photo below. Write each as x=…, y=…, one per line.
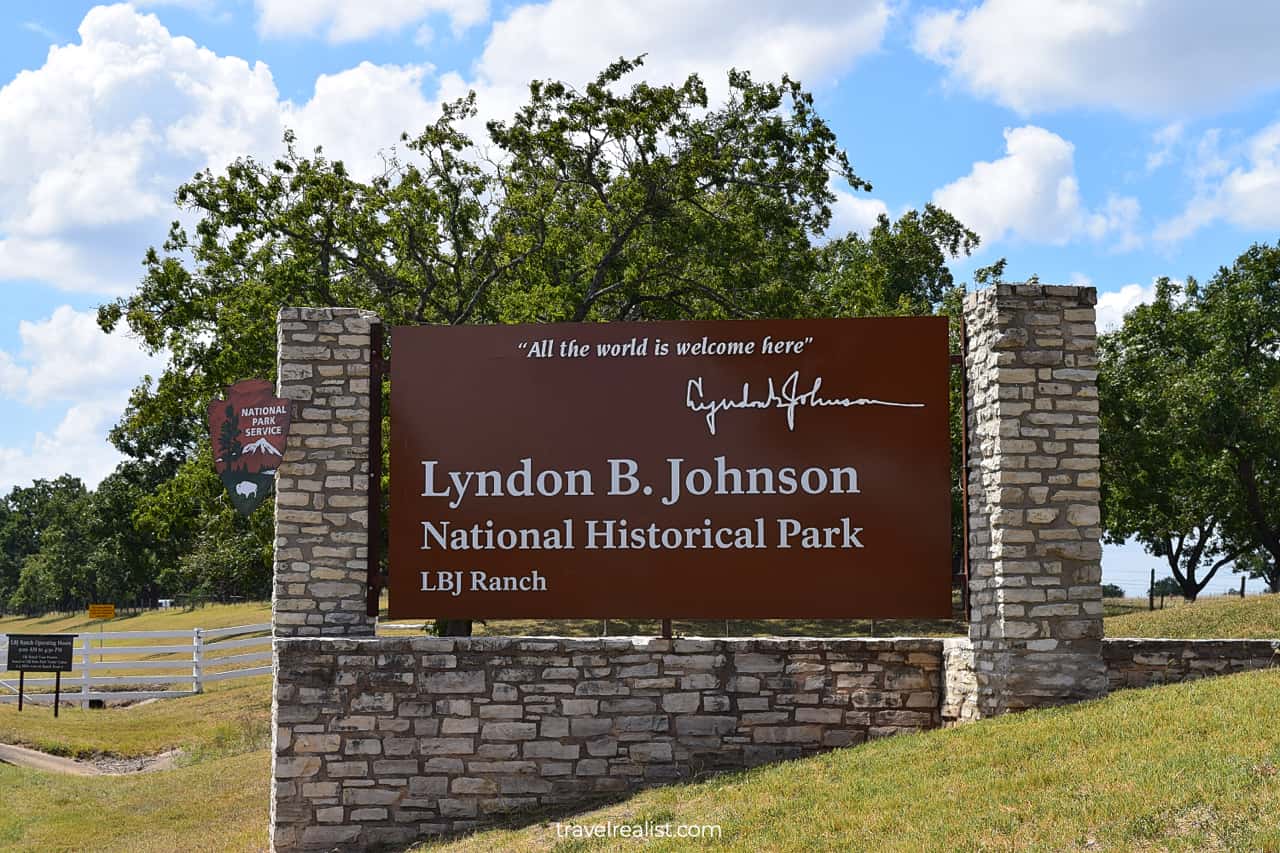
x=102, y=611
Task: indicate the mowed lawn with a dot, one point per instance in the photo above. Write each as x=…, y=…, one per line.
x=215, y=805
x=1189, y=767
x=1192, y=766
x=1186, y=767
x=228, y=713
x=173, y=619
x=1217, y=617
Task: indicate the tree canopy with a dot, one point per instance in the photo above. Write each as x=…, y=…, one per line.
x=1190, y=389
x=620, y=200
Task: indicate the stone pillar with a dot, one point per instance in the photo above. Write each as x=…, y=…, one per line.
x=1034, y=536
x=322, y=513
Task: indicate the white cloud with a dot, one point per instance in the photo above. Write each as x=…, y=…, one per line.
x=348, y=112
x=95, y=141
x=40, y=30
x=344, y=20
x=1032, y=194
x=76, y=446
x=1140, y=57
x=1240, y=186
x=1113, y=305
x=68, y=357
x=854, y=213
x=1165, y=139
x=572, y=40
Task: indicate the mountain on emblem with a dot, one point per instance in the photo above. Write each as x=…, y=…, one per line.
x=261, y=446
x=247, y=432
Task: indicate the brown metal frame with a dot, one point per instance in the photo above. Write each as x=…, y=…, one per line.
x=375, y=578
x=379, y=368
x=960, y=359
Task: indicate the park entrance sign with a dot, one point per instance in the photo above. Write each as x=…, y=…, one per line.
x=687, y=469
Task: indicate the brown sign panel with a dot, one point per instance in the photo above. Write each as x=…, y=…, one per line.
x=689, y=469
x=247, y=431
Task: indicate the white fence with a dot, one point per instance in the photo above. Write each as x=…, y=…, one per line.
x=106, y=669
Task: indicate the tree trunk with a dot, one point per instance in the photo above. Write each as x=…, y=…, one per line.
x=456, y=628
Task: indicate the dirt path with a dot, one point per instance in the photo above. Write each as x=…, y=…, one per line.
x=20, y=756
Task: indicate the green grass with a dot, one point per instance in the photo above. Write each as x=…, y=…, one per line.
x=1188, y=767
x=173, y=619
x=215, y=806
x=1185, y=767
x=1217, y=617
x=209, y=724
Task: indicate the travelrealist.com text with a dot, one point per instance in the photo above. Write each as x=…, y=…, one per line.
x=679, y=477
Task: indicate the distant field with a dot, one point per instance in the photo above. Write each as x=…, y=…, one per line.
x=173, y=619
x=228, y=713
x=1254, y=616
x=1217, y=617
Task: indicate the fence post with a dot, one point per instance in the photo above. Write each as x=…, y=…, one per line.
x=86, y=661
x=197, y=651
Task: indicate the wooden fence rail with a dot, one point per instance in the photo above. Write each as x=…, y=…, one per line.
x=100, y=672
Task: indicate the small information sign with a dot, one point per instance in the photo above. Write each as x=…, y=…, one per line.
x=40, y=652
x=102, y=611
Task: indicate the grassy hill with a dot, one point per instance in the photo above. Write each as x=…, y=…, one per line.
x=1225, y=616
x=1187, y=767
x=173, y=619
x=1217, y=617
x=1192, y=766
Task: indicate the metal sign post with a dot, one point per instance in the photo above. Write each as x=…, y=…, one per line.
x=102, y=613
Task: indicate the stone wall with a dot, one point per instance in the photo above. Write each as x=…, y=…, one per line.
x=1142, y=663
x=958, y=701
x=322, y=484
x=381, y=741
x=1034, y=535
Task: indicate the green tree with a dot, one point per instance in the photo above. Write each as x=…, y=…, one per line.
x=605, y=203
x=1190, y=389
x=1111, y=590
x=1233, y=393
x=1162, y=481
x=1257, y=564
x=1166, y=586
x=44, y=520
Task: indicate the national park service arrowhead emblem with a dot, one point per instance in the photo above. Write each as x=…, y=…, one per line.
x=248, y=431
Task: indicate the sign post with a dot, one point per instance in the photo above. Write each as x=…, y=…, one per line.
x=704, y=470
x=101, y=612
x=41, y=653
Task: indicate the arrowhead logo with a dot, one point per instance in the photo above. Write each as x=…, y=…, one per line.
x=248, y=431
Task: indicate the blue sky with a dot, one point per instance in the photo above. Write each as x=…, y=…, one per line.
x=1098, y=141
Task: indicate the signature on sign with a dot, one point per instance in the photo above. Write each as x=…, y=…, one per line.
x=786, y=396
